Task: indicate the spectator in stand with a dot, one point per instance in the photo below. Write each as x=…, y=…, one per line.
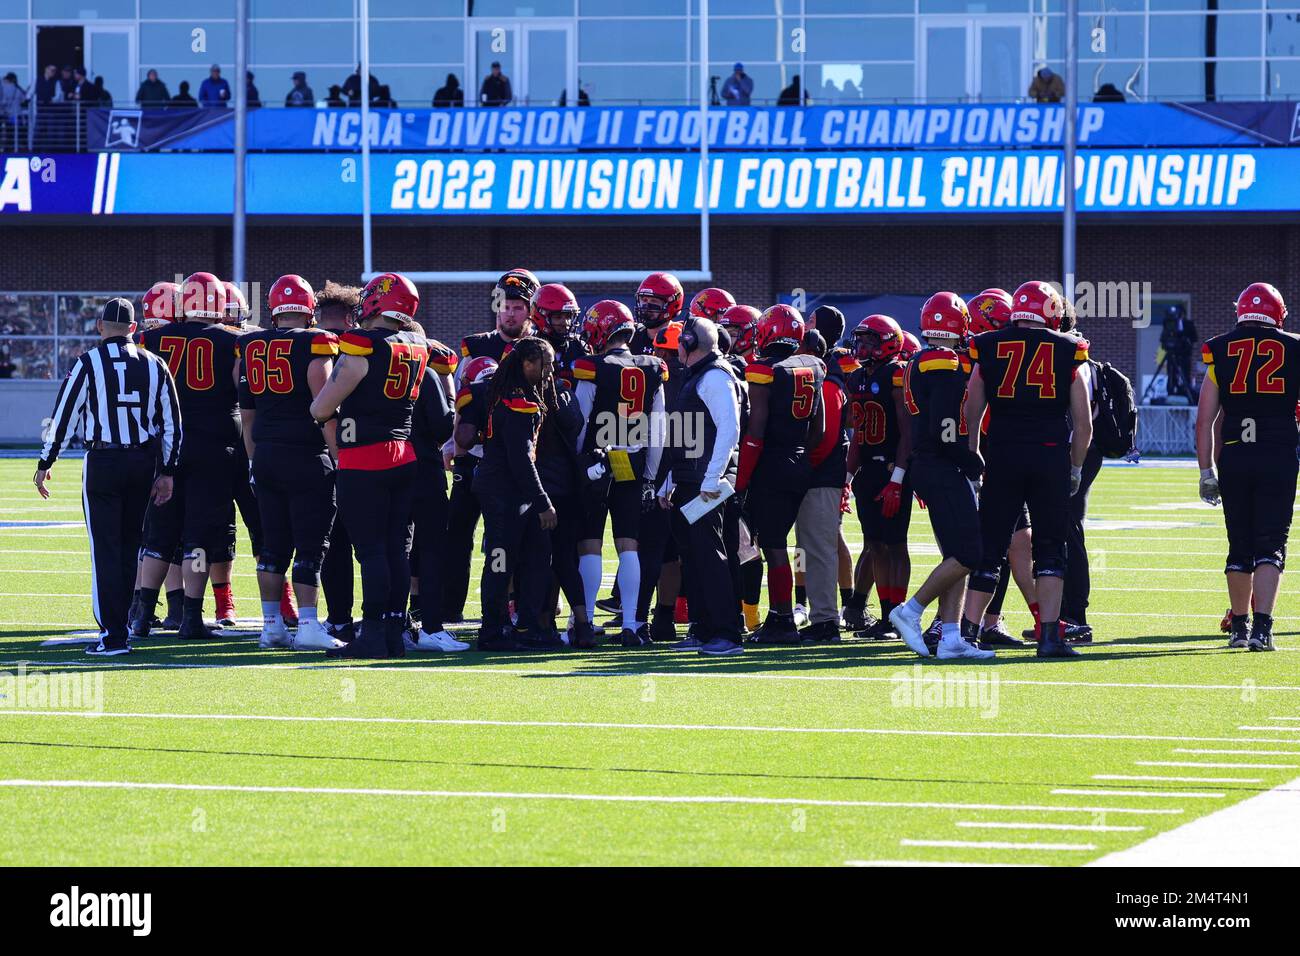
x=183, y=98
x=738, y=88
x=67, y=82
x=250, y=91
x=495, y=90
x=301, y=94
x=83, y=91
x=335, y=97
x=1108, y=93
x=11, y=98
x=103, y=98
x=450, y=94
x=7, y=366
x=1047, y=87
x=48, y=89
x=352, y=88
x=383, y=99
x=583, y=98
x=153, y=91
x=792, y=94
x=214, y=91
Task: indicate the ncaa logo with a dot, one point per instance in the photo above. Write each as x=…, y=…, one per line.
x=123, y=129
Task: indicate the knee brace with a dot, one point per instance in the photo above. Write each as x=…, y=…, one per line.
x=306, y=572
x=1049, y=557
x=985, y=580
x=271, y=563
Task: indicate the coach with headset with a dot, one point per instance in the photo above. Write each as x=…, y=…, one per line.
x=123, y=402
x=709, y=399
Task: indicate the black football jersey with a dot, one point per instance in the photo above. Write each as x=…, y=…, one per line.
x=273, y=382
x=379, y=408
x=840, y=364
x=202, y=359
x=480, y=344
x=872, y=413
x=567, y=351
x=1027, y=373
x=509, y=465
x=431, y=418
x=934, y=392
x=1257, y=369
x=626, y=385
x=795, y=394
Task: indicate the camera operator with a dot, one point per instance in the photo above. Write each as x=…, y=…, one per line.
x=1178, y=337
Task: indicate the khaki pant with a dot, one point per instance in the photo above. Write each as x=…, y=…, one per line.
x=817, y=534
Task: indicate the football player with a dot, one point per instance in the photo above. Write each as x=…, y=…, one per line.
x=1251, y=387
x=557, y=318
x=741, y=323
x=944, y=471
x=878, y=456
x=282, y=369
x=786, y=419
x=373, y=390
x=517, y=512
x=203, y=356
x=1040, y=426
x=512, y=299
x=710, y=303
x=622, y=401
x=336, y=312
x=659, y=299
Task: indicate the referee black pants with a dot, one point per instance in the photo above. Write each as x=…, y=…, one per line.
x=115, y=492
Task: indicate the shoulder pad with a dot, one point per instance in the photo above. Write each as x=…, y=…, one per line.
x=937, y=359
x=1206, y=355
x=356, y=342
x=324, y=342
x=463, y=397
x=519, y=403
x=442, y=359
x=759, y=373
x=1081, y=350
x=584, y=369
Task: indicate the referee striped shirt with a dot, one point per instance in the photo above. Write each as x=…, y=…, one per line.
x=119, y=394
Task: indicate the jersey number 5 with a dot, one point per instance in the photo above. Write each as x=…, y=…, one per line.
x=804, y=396
x=402, y=357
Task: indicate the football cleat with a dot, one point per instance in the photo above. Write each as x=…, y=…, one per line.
x=858, y=619
x=610, y=605
x=627, y=638
x=439, y=641
x=933, y=634
x=369, y=644
x=960, y=649
x=1053, y=645
x=823, y=632
x=311, y=636
x=1077, y=633
x=344, y=633
x=877, y=631
x=998, y=636
x=540, y=640
x=277, y=635
x=104, y=649
x=908, y=626
x=688, y=643
x=226, y=609
x=662, y=628
x=720, y=647
x=582, y=636
x=196, y=630
x=1261, y=638
x=777, y=629
x=1240, y=635
x=800, y=613
x=503, y=640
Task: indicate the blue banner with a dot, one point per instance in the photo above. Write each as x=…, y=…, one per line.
x=542, y=129
x=918, y=183
x=54, y=185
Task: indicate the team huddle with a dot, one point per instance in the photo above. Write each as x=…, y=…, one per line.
x=719, y=445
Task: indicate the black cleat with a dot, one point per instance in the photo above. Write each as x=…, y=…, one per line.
x=582, y=637
x=370, y=644
x=997, y=636
x=540, y=640
x=933, y=635
x=501, y=641
x=1077, y=633
x=1053, y=645
x=196, y=630
x=721, y=647
x=170, y=623
x=457, y=617
x=776, y=629
x=662, y=628
x=393, y=628
x=610, y=605
x=628, y=638
x=823, y=632
x=858, y=619
x=1239, y=634
x=646, y=637
x=347, y=633
x=688, y=643
x=1261, y=639
x=108, y=649
x=881, y=630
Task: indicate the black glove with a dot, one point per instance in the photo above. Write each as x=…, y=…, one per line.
x=971, y=464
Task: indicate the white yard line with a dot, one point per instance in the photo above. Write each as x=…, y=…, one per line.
x=1148, y=778
x=1287, y=730
x=1217, y=766
x=926, y=863
x=513, y=795
x=998, y=845
x=1261, y=831
x=1158, y=794
x=1025, y=825
x=1252, y=753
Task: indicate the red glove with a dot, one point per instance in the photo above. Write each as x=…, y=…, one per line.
x=919, y=501
x=846, y=498
x=890, y=497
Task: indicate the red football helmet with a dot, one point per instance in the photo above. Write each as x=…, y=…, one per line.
x=711, y=302
x=741, y=321
x=391, y=295
x=1261, y=302
x=780, y=324
x=203, y=297
x=555, y=310
x=944, y=316
x=877, y=338
x=604, y=319
x=911, y=344
x=237, y=309
x=989, y=310
x=160, y=302
x=291, y=293
x=1037, y=301
x=518, y=284
x=658, y=299
x=478, y=369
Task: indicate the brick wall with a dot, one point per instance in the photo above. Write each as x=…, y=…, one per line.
x=1211, y=263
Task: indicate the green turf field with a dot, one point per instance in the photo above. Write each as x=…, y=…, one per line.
x=224, y=754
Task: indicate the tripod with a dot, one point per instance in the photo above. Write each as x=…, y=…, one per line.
x=1177, y=381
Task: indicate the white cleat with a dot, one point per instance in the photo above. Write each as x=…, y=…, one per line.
x=311, y=636
x=800, y=612
x=439, y=641
x=908, y=627
x=275, y=635
x=958, y=649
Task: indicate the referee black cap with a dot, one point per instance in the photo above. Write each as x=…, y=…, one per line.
x=118, y=310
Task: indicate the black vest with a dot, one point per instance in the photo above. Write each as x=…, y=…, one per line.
x=688, y=467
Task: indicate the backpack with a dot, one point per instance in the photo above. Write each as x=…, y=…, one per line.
x=1114, y=430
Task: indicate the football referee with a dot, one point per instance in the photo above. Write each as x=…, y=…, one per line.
x=124, y=400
